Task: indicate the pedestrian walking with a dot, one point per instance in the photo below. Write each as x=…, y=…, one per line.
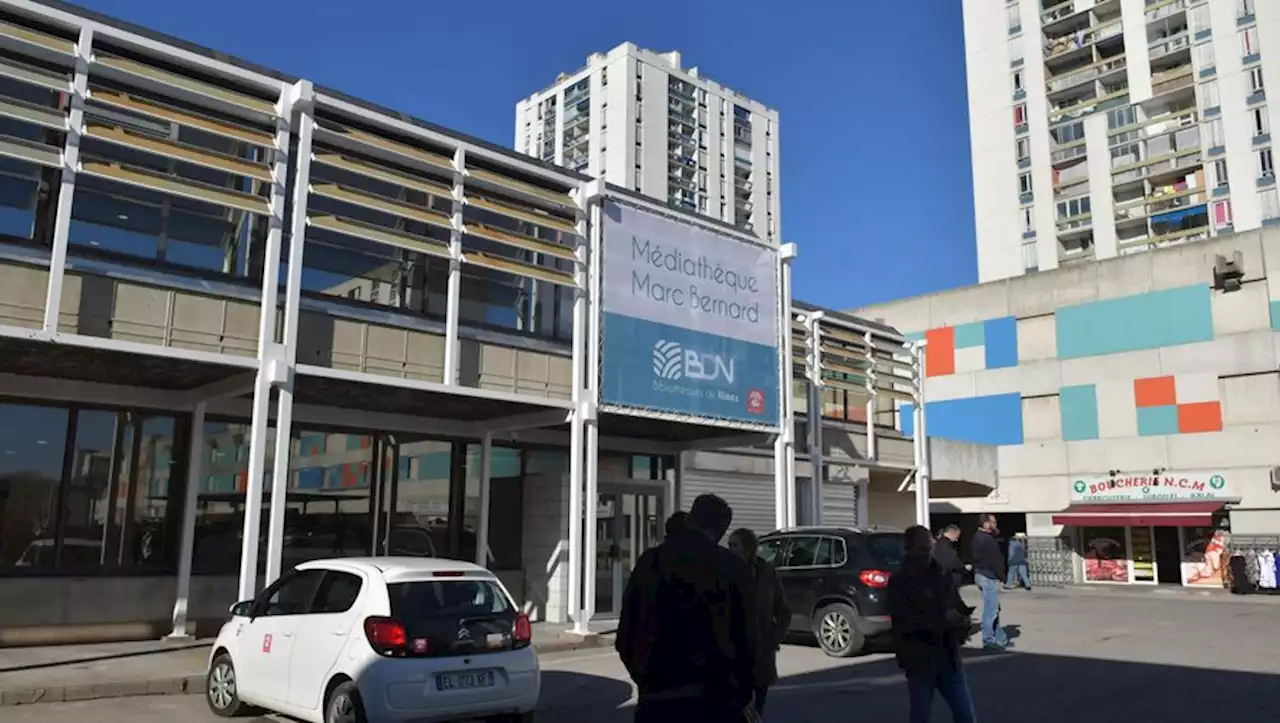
x=930, y=623
x=1019, y=572
x=988, y=572
x=946, y=551
x=689, y=632
x=771, y=611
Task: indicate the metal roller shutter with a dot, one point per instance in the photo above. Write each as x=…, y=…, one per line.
x=750, y=496
x=839, y=504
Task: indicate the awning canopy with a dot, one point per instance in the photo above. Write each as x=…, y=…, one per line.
x=1161, y=514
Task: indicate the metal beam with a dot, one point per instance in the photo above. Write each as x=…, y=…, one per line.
x=67, y=184
x=721, y=443
x=230, y=387
x=69, y=390
x=518, y=422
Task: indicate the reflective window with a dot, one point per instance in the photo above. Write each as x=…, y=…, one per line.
x=224, y=471
x=337, y=593
x=111, y=508
x=419, y=521
x=33, y=442
x=291, y=595
x=770, y=548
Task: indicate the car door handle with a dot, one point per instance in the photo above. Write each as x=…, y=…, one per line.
x=286, y=635
x=338, y=632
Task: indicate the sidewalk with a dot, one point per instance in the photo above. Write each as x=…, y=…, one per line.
x=1168, y=592
x=54, y=674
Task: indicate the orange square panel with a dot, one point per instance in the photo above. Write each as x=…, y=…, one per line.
x=1199, y=417
x=1154, y=392
x=940, y=351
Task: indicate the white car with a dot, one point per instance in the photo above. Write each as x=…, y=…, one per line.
x=376, y=639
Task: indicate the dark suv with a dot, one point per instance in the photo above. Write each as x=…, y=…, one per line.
x=836, y=580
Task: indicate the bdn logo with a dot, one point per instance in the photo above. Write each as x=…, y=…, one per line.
x=672, y=362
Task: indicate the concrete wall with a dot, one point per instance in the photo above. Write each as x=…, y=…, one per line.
x=1129, y=364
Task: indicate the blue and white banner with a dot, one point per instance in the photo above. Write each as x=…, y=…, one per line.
x=689, y=319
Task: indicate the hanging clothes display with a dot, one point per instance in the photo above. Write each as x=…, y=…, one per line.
x=1267, y=570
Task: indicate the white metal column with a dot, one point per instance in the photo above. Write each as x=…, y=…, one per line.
x=591, y=428
x=67, y=184
x=784, y=443
x=872, y=397
x=270, y=356
x=482, y=524
x=454, y=289
x=817, y=467
x=301, y=102
x=190, y=505
x=920, y=440
x=573, y=601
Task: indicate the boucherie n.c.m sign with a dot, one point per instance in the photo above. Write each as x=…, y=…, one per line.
x=1170, y=487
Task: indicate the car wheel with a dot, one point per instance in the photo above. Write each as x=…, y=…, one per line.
x=220, y=689
x=344, y=705
x=836, y=629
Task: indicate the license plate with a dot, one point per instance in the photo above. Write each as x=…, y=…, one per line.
x=463, y=681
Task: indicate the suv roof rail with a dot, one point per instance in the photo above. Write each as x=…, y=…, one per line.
x=846, y=528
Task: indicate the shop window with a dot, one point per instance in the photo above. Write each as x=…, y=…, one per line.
x=86, y=489
x=1106, y=554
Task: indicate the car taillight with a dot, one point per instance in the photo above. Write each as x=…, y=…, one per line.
x=522, y=631
x=874, y=578
x=386, y=636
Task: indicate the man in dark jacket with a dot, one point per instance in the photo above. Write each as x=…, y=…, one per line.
x=930, y=623
x=948, y=556
x=688, y=633
x=771, y=610
x=988, y=573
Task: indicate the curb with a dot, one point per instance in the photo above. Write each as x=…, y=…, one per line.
x=194, y=684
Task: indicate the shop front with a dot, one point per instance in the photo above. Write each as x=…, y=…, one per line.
x=1163, y=528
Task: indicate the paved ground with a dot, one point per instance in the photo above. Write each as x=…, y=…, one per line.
x=1080, y=657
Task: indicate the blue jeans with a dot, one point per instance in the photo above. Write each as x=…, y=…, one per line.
x=1019, y=575
x=992, y=634
x=948, y=679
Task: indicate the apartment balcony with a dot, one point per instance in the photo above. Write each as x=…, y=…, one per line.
x=1174, y=79
x=1068, y=153
x=576, y=95
x=682, y=90
x=1102, y=69
x=1156, y=168
x=1073, y=45
x=1172, y=10
x=1075, y=228
x=1170, y=51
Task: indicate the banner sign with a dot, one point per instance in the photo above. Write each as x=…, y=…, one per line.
x=1165, y=487
x=689, y=319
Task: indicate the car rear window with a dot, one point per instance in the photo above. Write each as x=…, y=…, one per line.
x=886, y=551
x=454, y=617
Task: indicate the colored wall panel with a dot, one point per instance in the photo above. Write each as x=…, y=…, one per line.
x=1144, y=321
x=1199, y=417
x=1001, y=338
x=1155, y=392
x=1079, y=409
x=1275, y=316
x=1154, y=421
x=968, y=335
x=995, y=419
x=940, y=351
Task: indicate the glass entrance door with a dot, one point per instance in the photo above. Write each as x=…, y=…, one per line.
x=629, y=520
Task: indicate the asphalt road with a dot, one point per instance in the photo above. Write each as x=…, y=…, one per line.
x=1100, y=658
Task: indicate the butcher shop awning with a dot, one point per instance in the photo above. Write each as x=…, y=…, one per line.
x=1158, y=514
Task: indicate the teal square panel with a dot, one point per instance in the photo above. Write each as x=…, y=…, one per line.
x=1275, y=316
x=1153, y=421
x=970, y=335
x=1079, y=409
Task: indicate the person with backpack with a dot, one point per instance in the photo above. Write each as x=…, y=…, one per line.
x=689, y=632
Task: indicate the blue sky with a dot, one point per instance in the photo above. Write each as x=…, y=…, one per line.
x=875, y=182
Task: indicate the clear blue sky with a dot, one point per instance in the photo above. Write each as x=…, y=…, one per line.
x=876, y=187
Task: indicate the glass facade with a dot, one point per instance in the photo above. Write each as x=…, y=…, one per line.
x=88, y=490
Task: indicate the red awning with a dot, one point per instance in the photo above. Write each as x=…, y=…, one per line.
x=1159, y=514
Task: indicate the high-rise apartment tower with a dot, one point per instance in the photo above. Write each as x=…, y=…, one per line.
x=641, y=121
x=1102, y=128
